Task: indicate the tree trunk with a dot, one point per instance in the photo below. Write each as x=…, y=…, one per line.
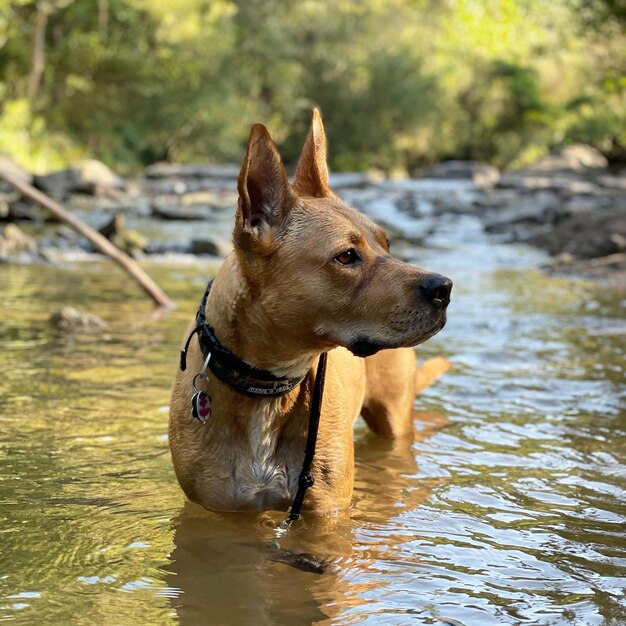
x=103, y=17
x=38, y=52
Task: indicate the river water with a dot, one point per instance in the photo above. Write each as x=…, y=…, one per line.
x=509, y=506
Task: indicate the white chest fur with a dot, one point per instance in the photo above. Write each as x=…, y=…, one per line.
x=267, y=481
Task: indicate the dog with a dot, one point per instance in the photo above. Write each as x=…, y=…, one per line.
x=308, y=275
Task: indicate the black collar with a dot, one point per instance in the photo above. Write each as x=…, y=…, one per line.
x=255, y=382
x=229, y=368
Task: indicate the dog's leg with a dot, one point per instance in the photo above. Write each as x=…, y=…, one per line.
x=392, y=382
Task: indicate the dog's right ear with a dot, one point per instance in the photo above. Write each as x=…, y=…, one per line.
x=265, y=197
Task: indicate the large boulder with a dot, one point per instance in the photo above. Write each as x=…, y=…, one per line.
x=91, y=177
x=481, y=174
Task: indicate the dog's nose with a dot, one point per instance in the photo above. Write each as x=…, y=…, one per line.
x=436, y=290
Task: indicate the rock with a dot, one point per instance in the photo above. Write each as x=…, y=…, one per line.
x=169, y=186
x=584, y=156
x=68, y=235
x=524, y=182
x=213, y=246
x=342, y=180
x=91, y=177
x=481, y=174
x=562, y=259
x=495, y=199
x=575, y=170
x=131, y=241
x=610, y=269
x=72, y=320
x=576, y=158
x=612, y=182
x=214, y=199
x=8, y=203
x=566, y=185
x=192, y=170
x=167, y=247
x=586, y=235
x=543, y=207
x=8, y=165
x=170, y=211
x=113, y=227
x=15, y=245
x=407, y=203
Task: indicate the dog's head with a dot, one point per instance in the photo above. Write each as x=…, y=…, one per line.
x=321, y=270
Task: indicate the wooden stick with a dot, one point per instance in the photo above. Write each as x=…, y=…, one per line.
x=100, y=242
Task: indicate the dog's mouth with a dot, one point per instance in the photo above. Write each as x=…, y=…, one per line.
x=365, y=346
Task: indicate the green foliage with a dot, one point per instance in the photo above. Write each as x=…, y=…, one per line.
x=27, y=139
x=400, y=82
x=505, y=113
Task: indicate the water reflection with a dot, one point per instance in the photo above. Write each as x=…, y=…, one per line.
x=217, y=554
x=223, y=567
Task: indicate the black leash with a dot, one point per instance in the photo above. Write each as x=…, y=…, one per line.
x=255, y=382
x=306, y=479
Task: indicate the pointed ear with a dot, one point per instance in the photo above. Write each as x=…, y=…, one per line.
x=311, y=177
x=265, y=197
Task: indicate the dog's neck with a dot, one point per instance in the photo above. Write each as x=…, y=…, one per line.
x=242, y=326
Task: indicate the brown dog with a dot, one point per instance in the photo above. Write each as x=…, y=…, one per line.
x=308, y=275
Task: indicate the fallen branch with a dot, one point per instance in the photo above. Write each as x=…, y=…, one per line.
x=100, y=242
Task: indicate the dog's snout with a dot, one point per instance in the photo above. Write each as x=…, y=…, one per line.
x=436, y=290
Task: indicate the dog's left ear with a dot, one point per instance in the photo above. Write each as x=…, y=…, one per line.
x=265, y=197
x=311, y=177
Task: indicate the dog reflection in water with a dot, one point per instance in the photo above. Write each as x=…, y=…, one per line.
x=236, y=568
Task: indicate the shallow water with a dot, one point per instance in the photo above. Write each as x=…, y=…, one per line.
x=508, y=508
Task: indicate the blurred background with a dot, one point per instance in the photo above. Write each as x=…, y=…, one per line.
x=402, y=83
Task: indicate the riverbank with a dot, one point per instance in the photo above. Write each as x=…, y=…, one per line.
x=568, y=204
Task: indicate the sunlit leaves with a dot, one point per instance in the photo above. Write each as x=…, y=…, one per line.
x=400, y=82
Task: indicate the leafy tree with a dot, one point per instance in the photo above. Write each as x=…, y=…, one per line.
x=400, y=82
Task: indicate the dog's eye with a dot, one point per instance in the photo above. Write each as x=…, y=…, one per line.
x=388, y=245
x=347, y=257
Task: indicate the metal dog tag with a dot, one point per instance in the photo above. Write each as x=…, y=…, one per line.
x=201, y=406
x=201, y=400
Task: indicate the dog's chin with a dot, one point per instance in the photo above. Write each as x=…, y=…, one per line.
x=365, y=346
